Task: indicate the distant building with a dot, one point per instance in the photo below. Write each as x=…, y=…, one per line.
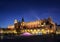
x=58, y=28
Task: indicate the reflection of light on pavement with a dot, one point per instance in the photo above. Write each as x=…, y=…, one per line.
x=1, y=37
x=40, y=33
x=26, y=34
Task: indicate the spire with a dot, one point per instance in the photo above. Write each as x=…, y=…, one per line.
x=15, y=21
x=22, y=19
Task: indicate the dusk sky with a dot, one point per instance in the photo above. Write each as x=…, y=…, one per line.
x=29, y=9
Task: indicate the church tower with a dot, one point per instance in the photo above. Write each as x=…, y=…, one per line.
x=15, y=21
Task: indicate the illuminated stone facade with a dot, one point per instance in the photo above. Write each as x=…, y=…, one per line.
x=44, y=26
x=38, y=27
x=11, y=27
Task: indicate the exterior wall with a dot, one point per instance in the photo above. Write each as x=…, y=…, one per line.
x=37, y=31
x=58, y=29
x=1, y=31
x=11, y=27
x=17, y=25
x=33, y=24
x=7, y=31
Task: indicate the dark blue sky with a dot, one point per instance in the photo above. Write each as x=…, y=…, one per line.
x=29, y=9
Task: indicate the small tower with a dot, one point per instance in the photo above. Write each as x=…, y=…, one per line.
x=22, y=19
x=15, y=21
x=22, y=22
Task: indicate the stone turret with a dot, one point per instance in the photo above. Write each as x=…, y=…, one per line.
x=15, y=21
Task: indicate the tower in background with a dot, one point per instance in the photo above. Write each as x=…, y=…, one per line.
x=22, y=19
x=15, y=21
